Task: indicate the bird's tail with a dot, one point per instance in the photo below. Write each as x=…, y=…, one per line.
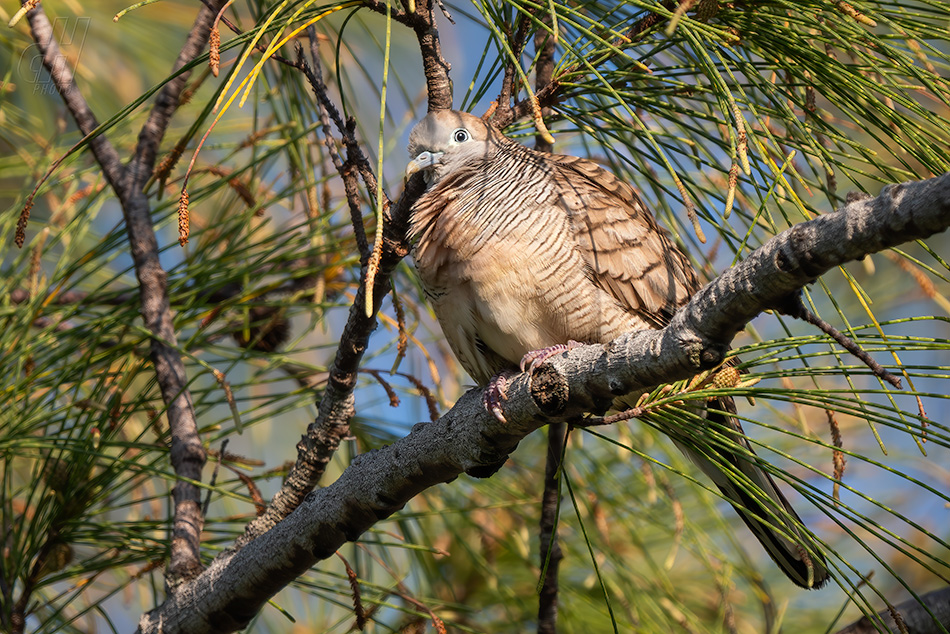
x=761, y=506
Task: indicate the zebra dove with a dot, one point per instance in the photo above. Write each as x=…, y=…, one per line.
x=521, y=251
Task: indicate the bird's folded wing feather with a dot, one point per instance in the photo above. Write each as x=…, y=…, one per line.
x=633, y=259
x=629, y=255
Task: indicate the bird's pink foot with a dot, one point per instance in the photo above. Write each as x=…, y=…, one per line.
x=495, y=394
x=535, y=358
x=496, y=391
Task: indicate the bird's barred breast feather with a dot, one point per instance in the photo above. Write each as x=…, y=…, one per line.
x=511, y=277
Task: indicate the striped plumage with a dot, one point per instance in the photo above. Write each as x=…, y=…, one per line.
x=520, y=250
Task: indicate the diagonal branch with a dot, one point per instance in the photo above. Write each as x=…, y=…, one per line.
x=62, y=77
x=337, y=404
x=379, y=483
x=139, y=169
x=347, y=170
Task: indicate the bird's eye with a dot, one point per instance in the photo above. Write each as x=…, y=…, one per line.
x=461, y=135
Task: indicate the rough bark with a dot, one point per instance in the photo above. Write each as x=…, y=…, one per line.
x=379, y=483
x=929, y=615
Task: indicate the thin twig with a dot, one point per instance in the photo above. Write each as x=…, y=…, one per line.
x=794, y=307
x=355, y=157
x=405, y=593
x=402, y=343
x=517, y=43
x=425, y=393
x=329, y=111
x=214, y=475
x=551, y=94
x=358, y=608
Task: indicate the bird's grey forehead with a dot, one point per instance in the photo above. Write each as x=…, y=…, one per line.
x=434, y=131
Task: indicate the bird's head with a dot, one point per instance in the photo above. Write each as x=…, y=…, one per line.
x=445, y=140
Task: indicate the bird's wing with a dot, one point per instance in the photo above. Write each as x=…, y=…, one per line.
x=629, y=255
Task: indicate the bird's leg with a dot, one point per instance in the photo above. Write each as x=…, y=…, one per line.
x=535, y=358
x=495, y=393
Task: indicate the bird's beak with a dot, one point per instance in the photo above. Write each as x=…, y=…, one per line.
x=424, y=161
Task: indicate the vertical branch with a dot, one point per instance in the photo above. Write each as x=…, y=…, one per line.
x=438, y=84
x=187, y=452
x=550, y=549
x=517, y=43
x=422, y=22
x=544, y=72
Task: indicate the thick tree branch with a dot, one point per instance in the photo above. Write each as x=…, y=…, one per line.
x=336, y=408
x=187, y=453
x=915, y=616
x=379, y=483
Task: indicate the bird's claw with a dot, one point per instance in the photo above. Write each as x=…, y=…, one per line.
x=496, y=391
x=495, y=394
x=535, y=358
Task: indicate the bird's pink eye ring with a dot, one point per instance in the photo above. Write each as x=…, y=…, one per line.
x=461, y=135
